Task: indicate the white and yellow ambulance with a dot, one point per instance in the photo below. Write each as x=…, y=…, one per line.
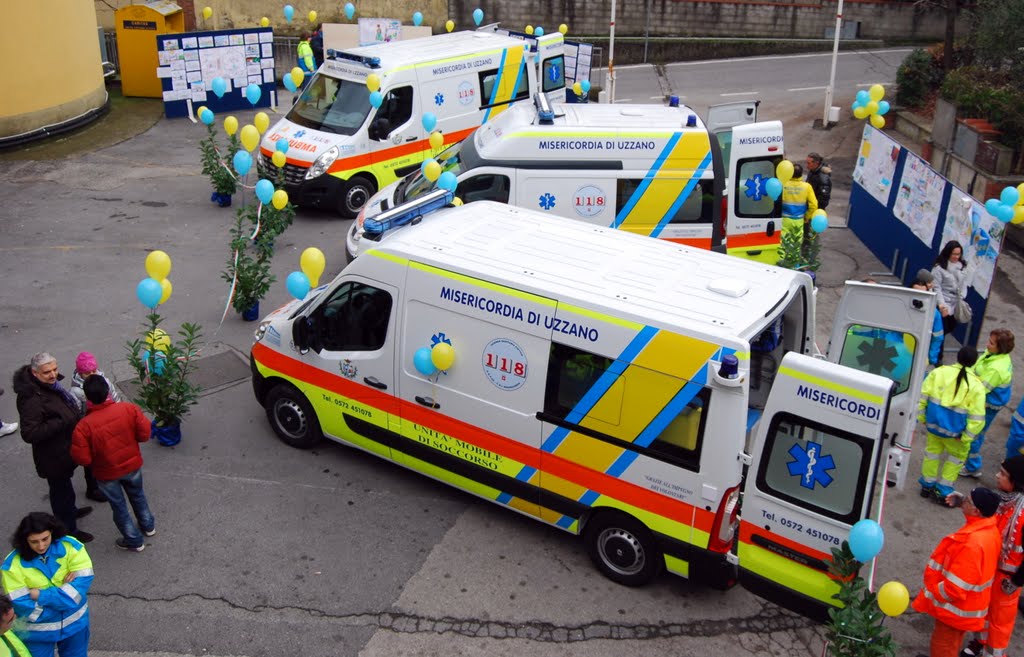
x=626, y=389
x=341, y=150
x=647, y=169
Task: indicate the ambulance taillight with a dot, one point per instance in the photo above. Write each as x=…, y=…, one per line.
x=724, y=218
x=726, y=520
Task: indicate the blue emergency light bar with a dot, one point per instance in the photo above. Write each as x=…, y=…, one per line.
x=407, y=212
x=545, y=115
x=371, y=62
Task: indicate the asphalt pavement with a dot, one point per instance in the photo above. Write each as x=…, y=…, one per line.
x=266, y=550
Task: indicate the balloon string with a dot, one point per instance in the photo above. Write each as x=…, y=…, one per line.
x=256, y=231
x=231, y=293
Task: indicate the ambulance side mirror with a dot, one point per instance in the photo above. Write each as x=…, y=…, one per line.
x=380, y=129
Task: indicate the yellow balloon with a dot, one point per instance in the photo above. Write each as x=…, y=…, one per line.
x=168, y=289
x=1018, y=215
x=261, y=121
x=861, y=112
x=442, y=355
x=1020, y=190
x=456, y=201
x=449, y=25
x=529, y=29
x=563, y=28
x=264, y=22
x=230, y=125
x=577, y=89
x=871, y=107
x=158, y=340
x=819, y=213
x=312, y=263
x=893, y=598
x=784, y=171
x=876, y=92
x=207, y=13
x=436, y=140
x=158, y=265
x=298, y=75
x=279, y=159
x=250, y=137
x=312, y=17
x=432, y=170
x=372, y=82
x=878, y=121
x=279, y=199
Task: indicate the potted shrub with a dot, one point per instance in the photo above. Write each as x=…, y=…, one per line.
x=215, y=166
x=856, y=629
x=165, y=367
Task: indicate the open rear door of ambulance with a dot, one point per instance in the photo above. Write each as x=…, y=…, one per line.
x=813, y=468
x=753, y=219
x=886, y=330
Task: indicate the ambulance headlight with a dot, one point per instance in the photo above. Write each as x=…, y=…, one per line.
x=261, y=330
x=323, y=163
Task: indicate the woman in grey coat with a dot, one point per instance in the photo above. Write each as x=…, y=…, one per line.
x=951, y=278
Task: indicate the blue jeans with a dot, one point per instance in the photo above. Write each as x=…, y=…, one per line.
x=76, y=645
x=129, y=485
x=973, y=463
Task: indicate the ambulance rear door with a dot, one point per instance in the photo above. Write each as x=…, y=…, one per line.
x=813, y=467
x=886, y=330
x=753, y=220
x=551, y=72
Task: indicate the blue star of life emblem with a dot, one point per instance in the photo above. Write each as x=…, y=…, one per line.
x=438, y=338
x=755, y=186
x=810, y=465
x=554, y=73
x=299, y=133
x=546, y=201
x=439, y=99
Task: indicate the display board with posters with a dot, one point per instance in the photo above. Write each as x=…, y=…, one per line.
x=980, y=234
x=919, y=197
x=189, y=62
x=379, y=30
x=876, y=163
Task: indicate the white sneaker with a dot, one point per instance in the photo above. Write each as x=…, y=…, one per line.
x=7, y=428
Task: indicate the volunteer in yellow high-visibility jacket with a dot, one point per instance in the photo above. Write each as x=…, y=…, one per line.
x=798, y=204
x=952, y=408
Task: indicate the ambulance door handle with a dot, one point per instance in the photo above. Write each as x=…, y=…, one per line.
x=371, y=381
x=413, y=138
x=427, y=401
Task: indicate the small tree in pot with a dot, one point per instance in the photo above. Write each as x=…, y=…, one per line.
x=856, y=629
x=215, y=166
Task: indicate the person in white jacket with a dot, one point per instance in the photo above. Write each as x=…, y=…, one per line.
x=951, y=279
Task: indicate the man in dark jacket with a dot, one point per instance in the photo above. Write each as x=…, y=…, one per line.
x=819, y=177
x=49, y=413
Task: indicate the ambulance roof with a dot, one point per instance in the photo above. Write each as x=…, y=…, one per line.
x=610, y=271
x=434, y=48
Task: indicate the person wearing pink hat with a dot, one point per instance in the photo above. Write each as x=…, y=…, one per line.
x=86, y=366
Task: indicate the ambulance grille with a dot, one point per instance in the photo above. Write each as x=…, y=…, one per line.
x=293, y=174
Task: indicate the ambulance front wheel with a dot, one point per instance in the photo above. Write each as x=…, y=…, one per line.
x=354, y=195
x=622, y=548
x=292, y=417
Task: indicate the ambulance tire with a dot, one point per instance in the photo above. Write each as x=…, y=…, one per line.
x=292, y=417
x=622, y=548
x=354, y=195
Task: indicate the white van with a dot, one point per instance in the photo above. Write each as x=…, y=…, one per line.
x=342, y=150
x=647, y=169
x=626, y=389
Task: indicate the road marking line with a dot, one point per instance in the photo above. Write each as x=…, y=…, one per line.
x=807, y=89
x=740, y=93
x=770, y=57
x=658, y=97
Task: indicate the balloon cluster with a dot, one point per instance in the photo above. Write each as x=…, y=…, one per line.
x=350, y=10
x=205, y=114
x=581, y=88
x=156, y=289
x=773, y=188
x=280, y=153
x=870, y=103
x=446, y=180
x=312, y=263
x=373, y=86
x=440, y=356
x=293, y=79
x=1009, y=207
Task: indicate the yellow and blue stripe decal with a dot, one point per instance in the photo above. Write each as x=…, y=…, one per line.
x=656, y=195
x=512, y=59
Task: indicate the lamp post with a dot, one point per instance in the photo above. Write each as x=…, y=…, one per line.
x=611, y=56
x=835, y=55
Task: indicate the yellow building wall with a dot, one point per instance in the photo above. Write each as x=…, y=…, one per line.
x=50, y=64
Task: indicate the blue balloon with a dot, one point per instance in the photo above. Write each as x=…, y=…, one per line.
x=423, y=363
x=773, y=187
x=219, y=86
x=281, y=145
x=157, y=364
x=297, y=284
x=478, y=15
x=207, y=116
x=538, y=31
x=819, y=223
x=429, y=121
x=1004, y=213
x=253, y=93
x=992, y=206
x=289, y=84
x=242, y=162
x=866, y=540
x=289, y=13
x=350, y=10
x=417, y=18
x=585, y=86
x=863, y=97
x=264, y=190
x=883, y=107
x=376, y=99
x=447, y=181
x=149, y=292
x=1010, y=196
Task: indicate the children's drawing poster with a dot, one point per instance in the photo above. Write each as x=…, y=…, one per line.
x=876, y=164
x=919, y=197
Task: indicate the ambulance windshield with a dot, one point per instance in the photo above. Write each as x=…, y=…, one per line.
x=457, y=158
x=332, y=105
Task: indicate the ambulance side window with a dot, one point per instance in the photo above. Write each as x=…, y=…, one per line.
x=698, y=206
x=554, y=73
x=751, y=201
x=485, y=187
x=487, y=90
x=880, y=351
x=816, y=467
x=354, y=318
x=625, y=187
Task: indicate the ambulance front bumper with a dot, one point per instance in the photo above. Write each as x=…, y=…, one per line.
x=321, y=193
